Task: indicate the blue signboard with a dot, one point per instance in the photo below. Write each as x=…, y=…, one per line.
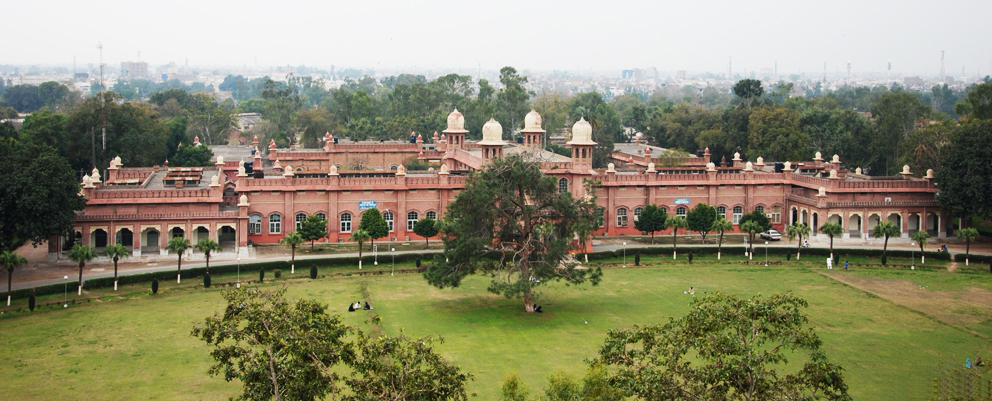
x=366, y=205
x=681, y=201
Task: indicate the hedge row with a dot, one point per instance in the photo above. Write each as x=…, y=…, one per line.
x=825, y=252
x=973, y=258
x=198, y=272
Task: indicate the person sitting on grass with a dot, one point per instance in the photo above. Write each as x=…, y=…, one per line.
x=537, y=308
x=351, y=307
x=367, y=307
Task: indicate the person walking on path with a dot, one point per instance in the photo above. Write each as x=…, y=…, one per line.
x=845, y=265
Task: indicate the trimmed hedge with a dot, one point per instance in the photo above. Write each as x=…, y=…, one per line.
x=783, y=251
x=972, y=258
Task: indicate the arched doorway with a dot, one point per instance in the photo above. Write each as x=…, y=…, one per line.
x=150, y=240
x=854, y=225
x=873, y=221
x=805, y=218
x=125, y=237
x=932, y=224
x=200, y=234
x=228, y=239
x=99, y=238
x=177, y=232
x=795, y=216
x=816, y=224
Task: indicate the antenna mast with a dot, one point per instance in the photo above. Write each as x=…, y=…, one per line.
x=941, y=66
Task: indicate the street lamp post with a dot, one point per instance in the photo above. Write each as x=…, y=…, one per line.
x=239, y=272
x=393, y=267
x=625, y=254
x=766, y=253
x=375, y=255
x=65, y=293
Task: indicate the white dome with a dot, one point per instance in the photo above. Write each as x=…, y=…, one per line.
x=456, y=123
x=533, y=122
x=582, y=133
x=492, y=133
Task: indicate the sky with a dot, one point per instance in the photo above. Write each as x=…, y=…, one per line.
x=573, y=35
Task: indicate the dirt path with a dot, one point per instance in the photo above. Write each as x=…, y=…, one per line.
x=946, y=307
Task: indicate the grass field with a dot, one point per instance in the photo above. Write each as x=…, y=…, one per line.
x=890, y=329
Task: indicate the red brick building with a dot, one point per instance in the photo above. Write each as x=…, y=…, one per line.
x=143, y=207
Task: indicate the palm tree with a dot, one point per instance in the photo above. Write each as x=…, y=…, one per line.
x=921, y=237
x=968, y=234
x=886, y=229
x=179, y=245
x=207, y=246
x=116, y=252
x=752, y=228
x=81, y=254
x=675, y=223
x=721, y=225
x=292, y=240
x=832, y=230
x=799, y=230
x=11, y=260
x=360, y=236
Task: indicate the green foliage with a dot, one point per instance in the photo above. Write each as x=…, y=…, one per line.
x=116, y=252
x=700, y=219
x=514, y=389
x=207, y=246
x=373, y=224
x=562, y=387
x=155, y=286
x=605, y=122
x=313, y=272
x=261, y=276
x=359, y=236
x=751, y=228
x=965, y=172
x=637, y=260
x=721, y=226
x=427, y=228
x=895, y=116
x=512, y=99
x=651, y=220
x=11, y=261
x=24, y=98
x=885, y=229
x=278, y=273
x=558, y=149
x=676, y=223
x=192, y=156
x=798, y=230
x=313, y=229
x=31, y=303
x=46, y=128
x=968, y=234
x=748, y=91
x=179, y=246
x=921, y=238
x=978, y=103
x=134, y=132
x=510, y=221
x=206, y=280
x=774, y=134
x=724, y=348
x=764, y=224
x=37, y=182
x=283, y=350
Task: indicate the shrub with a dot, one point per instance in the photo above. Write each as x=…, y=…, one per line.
x=155, y=286
x=31, y=303
x=206, y=281
x=313, y=272
x=690, y=258
x=884, y=259
x=278, y=273
x=637, y=260
x=261, y=276
x=418, y=263
x=788, y=256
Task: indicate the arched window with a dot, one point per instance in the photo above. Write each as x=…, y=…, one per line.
x=321, y=216
x=664, y=211
x=680, y=212
x=432, y=215
x=721, y=211
x=562, y=185
x=622, y=217
x=346, y=222
x=275, y=224
x=760, y=209
x=388, y=216
x=601, y=214
x=300, y=218
x=255, y=224
x=411, y=220
x=637, y=212
x=738, y=212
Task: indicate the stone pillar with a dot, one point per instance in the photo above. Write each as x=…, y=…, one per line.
x=136, y=244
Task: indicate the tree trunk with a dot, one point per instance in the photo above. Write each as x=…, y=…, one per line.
x=831, y=247
x=179, y=269
x=10, y=274
x=923, y=256
x=80, y=290
x=719, y=247
x=208, y=262
x=675, y=244
x=967, y=251
x=359, y=256
x=652, y=238
x=427, y=242
x=799, y=248
x=528, y=304
x=885, y=247
x=115, y=274
x=292, y=262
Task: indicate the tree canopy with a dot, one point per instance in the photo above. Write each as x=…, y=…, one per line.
x=39, y=197
x=510, y=222
x=966, y=171
x=725, y=348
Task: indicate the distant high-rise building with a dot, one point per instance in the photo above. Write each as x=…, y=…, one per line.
x=134, y=70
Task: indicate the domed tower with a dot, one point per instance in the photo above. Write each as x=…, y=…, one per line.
x=533, y=134
x=582, y=144
x=456, y=130
x=492, y=140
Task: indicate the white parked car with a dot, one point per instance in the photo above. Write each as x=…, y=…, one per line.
x=771, y=235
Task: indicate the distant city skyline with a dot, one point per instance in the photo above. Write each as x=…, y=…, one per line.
x=538, y=36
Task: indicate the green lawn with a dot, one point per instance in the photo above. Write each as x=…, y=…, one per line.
x=140, y=347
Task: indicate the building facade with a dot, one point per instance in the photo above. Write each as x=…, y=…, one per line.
x=258, y=199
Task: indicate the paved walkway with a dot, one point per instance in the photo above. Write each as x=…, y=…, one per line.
x=38, y=272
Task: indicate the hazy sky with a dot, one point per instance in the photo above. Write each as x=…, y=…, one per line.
x=566, y=35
